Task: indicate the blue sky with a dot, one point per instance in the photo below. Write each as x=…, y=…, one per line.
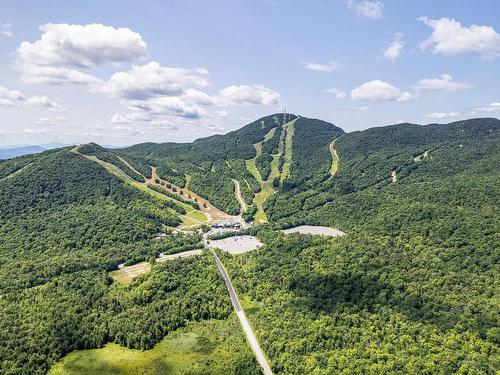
x=123, y=72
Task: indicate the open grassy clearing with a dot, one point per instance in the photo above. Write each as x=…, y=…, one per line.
x=188, y=181
x=315, y=229
x=125, y=274
x=289, y=127
x=335, y=159
x=192, y=217
x=208, y=347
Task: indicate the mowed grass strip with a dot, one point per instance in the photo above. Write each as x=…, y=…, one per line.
x=335, y=159
x=208, y=347
x=290, y=131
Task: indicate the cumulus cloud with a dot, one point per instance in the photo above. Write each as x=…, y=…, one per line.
x=328, y=67
x=442, y=115
x=370, y=9
x=45, y=102
x=444, y=82
x=152, y=93
x=395, y=48
x=84, y=46
x=248, y=94
x=63, y=49
x=492, y=107
x=161, y=90
x=449, y=38
x=6, y=29
x=379, y=91
x=8, y=97
x=339, y=94
x=153, y=80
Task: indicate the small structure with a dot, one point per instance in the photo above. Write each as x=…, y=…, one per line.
x=226, y=225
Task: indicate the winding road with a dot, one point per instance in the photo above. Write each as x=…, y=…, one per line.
x=252, y=340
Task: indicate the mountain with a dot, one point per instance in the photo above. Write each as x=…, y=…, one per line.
x=411, y=289
x=7, y=153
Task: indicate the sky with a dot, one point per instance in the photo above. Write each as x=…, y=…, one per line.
x=125, y=72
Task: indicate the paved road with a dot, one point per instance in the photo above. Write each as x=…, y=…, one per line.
x=254, y=344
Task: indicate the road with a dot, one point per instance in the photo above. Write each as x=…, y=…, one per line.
x=252, y=340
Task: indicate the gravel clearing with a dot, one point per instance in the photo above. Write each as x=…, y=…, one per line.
x=236, y=245
x=312, y=229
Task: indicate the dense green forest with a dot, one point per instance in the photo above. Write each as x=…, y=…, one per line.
x=64, y=222
x=411, y=289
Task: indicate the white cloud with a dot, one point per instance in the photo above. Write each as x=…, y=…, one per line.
x=444, y=82
x=379, y=91
x=339, y=94
x=6, y=29
x=151, y=92
x=57, y=76
x=153, y=80
x=44, y=101
x=169, y=105
x=160, y=91
x=328, y=67
x=50, y=121
x=64, y=48
x=8, y=97
x=442, y=115
x=358, y=109
x=370, y=9
x=492, y=107
x=449, y=38
x=84, y=46
x=130, y=117
x=395, y=48
x=248, y=94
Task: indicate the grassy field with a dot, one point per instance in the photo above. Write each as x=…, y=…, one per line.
x=192, y=218
x=289, y=127
x=335, y=159
x=209, y=347
x=126, y=274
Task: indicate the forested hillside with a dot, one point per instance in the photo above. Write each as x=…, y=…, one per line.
x=64, y=222
x=411, y=289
